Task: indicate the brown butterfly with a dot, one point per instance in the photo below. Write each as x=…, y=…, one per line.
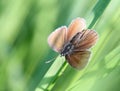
x=74, y=42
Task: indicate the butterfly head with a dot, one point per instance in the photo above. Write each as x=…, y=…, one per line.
x=67, y=49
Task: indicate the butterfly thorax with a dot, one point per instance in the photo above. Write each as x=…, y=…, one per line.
x=67, y=49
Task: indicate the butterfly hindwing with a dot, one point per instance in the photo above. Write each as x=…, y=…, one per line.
x=78, y=60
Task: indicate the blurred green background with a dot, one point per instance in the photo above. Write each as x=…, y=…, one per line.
x=24, y=28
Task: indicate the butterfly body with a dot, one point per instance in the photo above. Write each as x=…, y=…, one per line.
x=69, y=47
x=74, y=42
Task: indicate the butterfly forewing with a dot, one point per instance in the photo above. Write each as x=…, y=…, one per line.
x=87, y=40
x=57, y=39
x=77, y=25
x=78, y=60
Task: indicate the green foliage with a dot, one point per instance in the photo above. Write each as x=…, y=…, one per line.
x=24, y=52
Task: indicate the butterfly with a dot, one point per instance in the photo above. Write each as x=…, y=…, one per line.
x=74, y=42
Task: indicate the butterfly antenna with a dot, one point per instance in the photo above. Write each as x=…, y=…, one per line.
x=49, y=61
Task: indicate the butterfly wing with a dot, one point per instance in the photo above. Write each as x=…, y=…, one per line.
x=86, y=40
x=57, y=38
x=77, y=25
x=78, y=60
